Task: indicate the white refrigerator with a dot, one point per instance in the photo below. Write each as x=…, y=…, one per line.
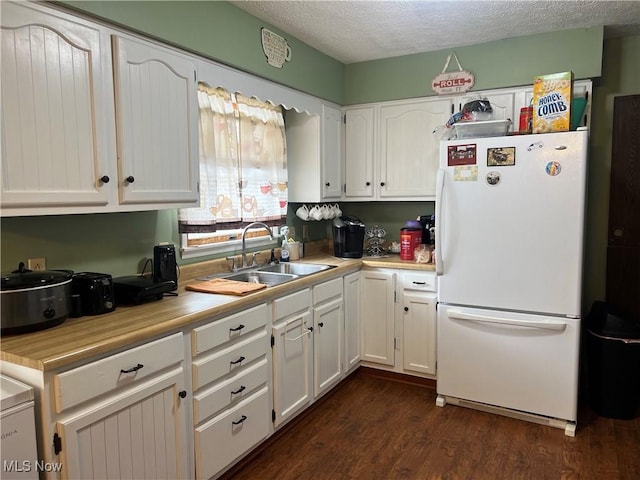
x=509, y=255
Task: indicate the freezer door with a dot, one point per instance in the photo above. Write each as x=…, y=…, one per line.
x=511, y=228
x=512, y=360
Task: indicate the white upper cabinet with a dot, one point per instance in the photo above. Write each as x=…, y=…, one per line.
x=392, y=148
x=157, y=123
x=332, y=143
x=314, y=154
x=359, y=154
x=64, y=150
x=408, y=148
x=57, y=128
x=391, y=151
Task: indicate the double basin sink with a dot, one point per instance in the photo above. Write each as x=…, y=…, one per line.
x=276, y=274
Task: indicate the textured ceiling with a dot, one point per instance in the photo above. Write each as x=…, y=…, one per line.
x=354, y=31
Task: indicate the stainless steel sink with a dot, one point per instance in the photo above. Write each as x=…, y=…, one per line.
x=300, y=269
x=268, y=278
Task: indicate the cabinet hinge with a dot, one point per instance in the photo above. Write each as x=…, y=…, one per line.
x=273, y=341
x=273, y=415
x=57, y=443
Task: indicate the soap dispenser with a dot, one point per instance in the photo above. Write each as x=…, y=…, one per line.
x=284, y=253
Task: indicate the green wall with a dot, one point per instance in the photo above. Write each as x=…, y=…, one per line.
x=620, y=76
x=119, y=243
x=503, y=63
x=222, y=32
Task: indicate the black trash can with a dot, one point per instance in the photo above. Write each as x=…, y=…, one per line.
x=613, y=362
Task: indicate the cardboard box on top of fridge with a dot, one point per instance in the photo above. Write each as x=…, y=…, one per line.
x=552, y=102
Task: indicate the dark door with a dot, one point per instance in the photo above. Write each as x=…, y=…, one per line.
x=623, y=252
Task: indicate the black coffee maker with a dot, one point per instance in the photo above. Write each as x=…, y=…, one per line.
x=348, y=237
x=428, y=222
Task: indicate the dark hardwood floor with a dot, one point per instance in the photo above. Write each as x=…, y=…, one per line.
x=375, y=428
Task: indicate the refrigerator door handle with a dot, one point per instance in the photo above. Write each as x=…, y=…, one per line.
x=439, y=221
x=546, y=325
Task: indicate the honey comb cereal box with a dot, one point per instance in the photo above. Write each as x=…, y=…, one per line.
x=552, y=102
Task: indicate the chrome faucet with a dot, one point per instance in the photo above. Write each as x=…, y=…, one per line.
x=245, y=262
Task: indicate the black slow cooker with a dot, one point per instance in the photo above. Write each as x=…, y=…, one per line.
x=34, y=300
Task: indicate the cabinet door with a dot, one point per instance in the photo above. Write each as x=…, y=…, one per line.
x=378, y=307
x=408, y=148
x=157, y=124
x=327, y=346
x=502, y=104
x=292, y=366
x=623, y=252
x=351, y=321
x=137, y=434
x=331, y=152
x=419, y=327
x=359, y=152
x=55, y=110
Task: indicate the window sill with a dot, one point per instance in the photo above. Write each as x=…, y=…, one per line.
x=229, y=248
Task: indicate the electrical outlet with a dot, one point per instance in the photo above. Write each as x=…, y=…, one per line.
x=37, y=263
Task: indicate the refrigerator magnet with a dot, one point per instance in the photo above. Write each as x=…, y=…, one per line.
x=501, y=157
x=461, y=155
x=465, y=173
x=553, y=168
x=493, y=178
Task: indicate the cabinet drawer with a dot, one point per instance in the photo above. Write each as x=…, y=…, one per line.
x=218, y=332
x=230, y=391
x=285, y=306
x=88, y=381
x=327, y=290
x=229, y=360
x=230, y=435
x=425, y=282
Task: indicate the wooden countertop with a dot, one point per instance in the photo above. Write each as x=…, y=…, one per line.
x=393, y=261
x=79, y=339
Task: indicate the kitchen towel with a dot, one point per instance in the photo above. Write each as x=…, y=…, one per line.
x=225, y=287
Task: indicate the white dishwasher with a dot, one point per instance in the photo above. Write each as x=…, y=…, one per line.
x=18, y=427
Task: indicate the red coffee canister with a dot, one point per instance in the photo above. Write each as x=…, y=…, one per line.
x=410, y=239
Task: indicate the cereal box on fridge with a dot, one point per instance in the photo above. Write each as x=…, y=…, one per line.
x=552, y=102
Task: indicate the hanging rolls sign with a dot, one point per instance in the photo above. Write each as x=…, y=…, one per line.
x=452, y=82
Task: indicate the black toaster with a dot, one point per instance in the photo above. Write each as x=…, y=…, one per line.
x=93, y=292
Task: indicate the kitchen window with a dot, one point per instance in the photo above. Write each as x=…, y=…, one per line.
x=243, y=173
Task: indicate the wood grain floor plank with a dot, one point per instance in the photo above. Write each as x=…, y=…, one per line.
x=374, y=428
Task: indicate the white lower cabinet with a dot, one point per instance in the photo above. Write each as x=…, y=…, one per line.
x=230, y=379
x=120, y=416
x=351, y=357
x=377, y=305
x=328, y=328
x=292, y=355
x=419, y=322
x=399, y=320
x=128, y=415
x=136, y=434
